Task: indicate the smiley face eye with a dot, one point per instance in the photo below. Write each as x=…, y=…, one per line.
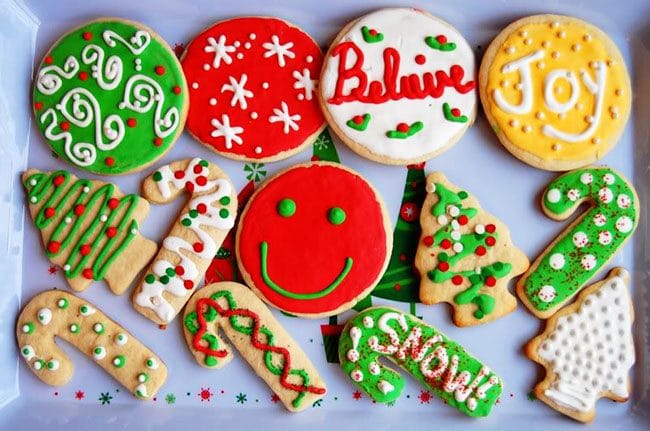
x=336, y=216
x=286, y=207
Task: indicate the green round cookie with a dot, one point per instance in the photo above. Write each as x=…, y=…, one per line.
x=110, y=97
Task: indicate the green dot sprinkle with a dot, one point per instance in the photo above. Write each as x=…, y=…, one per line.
x=170, y=272
x=223, y=213
x=119, y=361
x=74, y=328
x=98, y=328
x=224, y=200
x=143, y=377
x=151, y=363
x=463, y=194
x=62, y=303
x=52, y=365
x=164, y=279
x=210, y=361
x=149, y=279
x=286, y=207
x=194, y=213
x=157, y=176
x=336, y=216
x=28, y=328
x=186, y=222
x=443, y=257
x=203, y=163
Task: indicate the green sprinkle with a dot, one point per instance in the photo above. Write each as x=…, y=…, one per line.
x=74, y=328
x=149, y=279
x=336, y=216
x=28, y=328
x=151, y=363
x=157, y=176
x=286, y=207
x=224, y=200
x=98, y=328
x=210, y=361
x=194, y=213
x=62, y=303
x=164, y=279
x=463, y=194
x=443, y=257
x=143, y=377
x=119, y=361
x=223, y=213
x=170, y=272
x=186, y=222
x=203, y=163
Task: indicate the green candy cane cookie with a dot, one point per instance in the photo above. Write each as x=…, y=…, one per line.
x=110, y=97
x=441, y=365
x=584, y=247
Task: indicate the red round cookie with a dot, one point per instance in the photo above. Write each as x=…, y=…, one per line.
x=252, y=88
x=314, y=240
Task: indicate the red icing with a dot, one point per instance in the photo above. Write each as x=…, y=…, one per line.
x=79, y=209
x=109, y=161
x=160, y=70
x=49, y=212
x=259, y=132
x=48, y=59
x=490, y=281
x=176, y=89
x=83, y=75
x=445, y=244
x=87, y=35
x=53, y=246
x=188, y=284
x=372, y=32
x=113, y=203
x=403, y=127
x=198, y=247
x=65, y=125
x=58, y=180
x=480, y=250
x=457, y=279
x=455, y=112
x=158, y=142
x=420, y=59
x=443, y=266
x=305, y=251
x=442, y=39
x=179, y=270
x=201, y=180
x=490, y=241
x=258, y=342
x=38, y=106
x=85, y=249
x=392, y=86
x=202, y=208
x=490, y=228
x=111, y=232
x=131, y=122
x=428, y=240
x=87, y=273
x=462, y=220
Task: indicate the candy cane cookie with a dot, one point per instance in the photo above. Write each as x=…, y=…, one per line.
x=194, y=239
x=587, y=244
x=89, y=228
x=257, y=335
x=60, y=314
x=438, y=363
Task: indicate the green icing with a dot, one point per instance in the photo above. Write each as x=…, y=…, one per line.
x=605, y=227
x=426, y=354
x=143, y=98
x=71, y=236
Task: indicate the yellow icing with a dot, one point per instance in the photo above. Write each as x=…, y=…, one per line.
x=573, y=46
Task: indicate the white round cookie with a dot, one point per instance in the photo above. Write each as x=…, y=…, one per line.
x=392, y=82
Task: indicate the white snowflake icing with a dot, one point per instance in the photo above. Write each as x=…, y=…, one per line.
x=230, y=133
x=239, y=91
x=276, y=48
x=304, y=81
x=321, y=143
x=286, y=118
x=220, y=50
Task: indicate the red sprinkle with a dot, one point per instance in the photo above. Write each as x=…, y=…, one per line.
x=85, y=249
x=445, y=243
x=490, y=241
x=403, y=127
x=38, y=106
x=202, y=208
x=53, y=246
x=443, y=266
x=357, y=119
x=480, y=250
x=441, y=38
x=462, y=219
x=490, y=281
x=111, y=231
x=490, y=228
x=455, y=112
x=109, y=161
x=179, y=174
x=189, y=284
x=49, y=212
x=428, y=240
x=314, y=158
x=131, y=122
x=64, y=125
x=58, y=180
x=158, y=142
x=112, y=203
x=197, y=169
x=79, y=209
x=160, y=70
x=397, y=287
x=176, y=89
x=457, y=280
x=198, y=247
x=49, y=59
x=373, y=32
x=420, y=59
x=201, y=180
x=189, y=186
x=87, y=273
x=83, y=75
x=179, y=270
x=87, y=35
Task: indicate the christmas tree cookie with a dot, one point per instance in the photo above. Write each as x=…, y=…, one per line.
x=397, y=86
x=89, y=228
x=465, y=255
x=110, y=97
x=556, y=91
x=194, y=239
x=438, y=363
x=233, y=309
x=588, y=243
x=253, y=87
x=56, y=314
x=587, y=349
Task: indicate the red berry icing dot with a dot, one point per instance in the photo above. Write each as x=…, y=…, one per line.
x=158, y=142
x=83, y=75
x=65, y=125
x=490, y=241
x=197, y=169
x=179, y=270
x=202, y=208
x=428, y=240
x=445, y=243
x=38, y=106
x=201, y=180
x=455, y=112
x=49, y=212
x=457, y=280
x=403, y=127
x=87, y=35
x=112, y=203
x=160, y=70
x=188, y=284
x=462, y=220
x=49, y=59
x=490, y=281
x=198, y=247
x=420, y=59
x=372, y=32
x=179, y=174
x=85, y=249
x=176, y=89
x=109, y=161
x=443, y=266
x=53, y=246
x=480, y=250
x=357, y=119
x=131, y=122
x=441, y=38
x=490, y=228
x=111, y=231
x=87, y=273
x=58, y=180
x=189, y=186
x=79, y=209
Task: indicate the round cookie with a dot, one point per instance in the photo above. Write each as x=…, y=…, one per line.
x=398, y=86
x=252, y=88
x=556, y=91
x=314, y=240
x=110, y=97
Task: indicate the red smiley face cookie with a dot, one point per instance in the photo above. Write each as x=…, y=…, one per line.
x=252, y=84
x=314, y=240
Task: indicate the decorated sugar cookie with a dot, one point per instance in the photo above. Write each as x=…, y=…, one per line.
x=253, y=87
x=314, y=240
x=588, y=243
x=110, y=97
x=556, y=91
x=465, y=255
x=56, y=314
x=587, y=349
x=89, y=228
x=438, y=363
x=398, y=86
x=194, y=238
x=232, y=309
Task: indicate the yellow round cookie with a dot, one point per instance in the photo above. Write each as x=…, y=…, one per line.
x=556, y=91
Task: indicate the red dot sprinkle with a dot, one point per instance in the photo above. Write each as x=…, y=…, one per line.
x=480, y=250
x=87, y=35
x=189, y=284
x=112, y=203
x=443, y=266
x=179, y=270
x=198, y=247
x=83, y=75
x=176, y=89
x=49, y=212
x=79, y=209
x=202, y=208
x=65, y=125
x=197, y=169
x=109, y=161
x=357, y=119
x=131, y=122
x=179, y=174
x=373, y=32
x=85, y=249
x=428, y=240
x=158, y=142
x=38, y=106
x=49, y=59
x=490, y=228
x=111, y=231
x=160, y=70
x=58, y=180
x=403, y=127
x=441, y=38
x=189, y=186
x=397, y=287
x=455, y=112
x=462, y=220
x=314, y=158
x=490, y=281
x=420, y=59
x=490, y=241
x=402, y=257
x=201, y=180
x=457, y=280
x=87, y=273
x=53, y=246
x=445, y=243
